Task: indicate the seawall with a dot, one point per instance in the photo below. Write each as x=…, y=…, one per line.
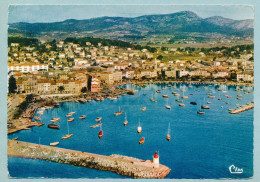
x=245, y=108
x=122, y=165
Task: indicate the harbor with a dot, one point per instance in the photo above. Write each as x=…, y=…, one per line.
x=176, y=133
x=122, y=165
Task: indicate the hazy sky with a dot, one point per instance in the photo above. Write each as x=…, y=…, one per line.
x=53, y=13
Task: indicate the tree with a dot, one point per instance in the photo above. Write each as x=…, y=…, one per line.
x=61, y=89
x=84, y=90
x=163, y=48
x=12, y=84
x=160, y=57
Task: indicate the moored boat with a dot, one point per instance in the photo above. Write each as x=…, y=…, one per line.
x=119, y=112
x=205, y=107
x=66, y=136
x=168, y=137
x=168, y=107
x=181, y=104
x=96, y=125
x=158, y=91
x=200, y=112
x=82, y=117
x=165, y=96
x=68, y=115
x=193, y=103
x=100, y=134
x=40, y=112
x=139, y=129
x=144, y=109
x=37, y=118
x=125, y=122
x=53, y=126
x=185, y=97
x=141, y=141
x=178, y=100
x=54, y=120
x=98, y=119
x=131, y=93
x=54, y=143
x=70, y=119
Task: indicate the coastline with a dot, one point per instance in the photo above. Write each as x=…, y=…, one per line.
x=26, y=122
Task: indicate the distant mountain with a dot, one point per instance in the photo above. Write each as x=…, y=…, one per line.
x=166, y=24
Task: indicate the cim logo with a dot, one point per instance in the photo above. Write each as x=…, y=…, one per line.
x=235, y=170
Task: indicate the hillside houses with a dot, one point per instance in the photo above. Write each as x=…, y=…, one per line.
x=68, y=67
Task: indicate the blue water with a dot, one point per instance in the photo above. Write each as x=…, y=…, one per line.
x=202, y=146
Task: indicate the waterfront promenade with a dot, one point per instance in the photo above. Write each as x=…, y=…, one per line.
x=123, y=165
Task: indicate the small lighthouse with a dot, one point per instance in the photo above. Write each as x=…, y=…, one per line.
x=156, y=160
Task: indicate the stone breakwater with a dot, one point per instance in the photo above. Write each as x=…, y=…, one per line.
x=122, y=165
x=245, y=108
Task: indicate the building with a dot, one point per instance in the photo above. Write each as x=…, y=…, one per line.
x=25, y=68
x=95, y=85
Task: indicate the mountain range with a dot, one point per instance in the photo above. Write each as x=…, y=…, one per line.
x=163, y=24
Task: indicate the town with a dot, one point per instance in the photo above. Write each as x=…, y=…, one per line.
x=67, y=67
x=78, y=66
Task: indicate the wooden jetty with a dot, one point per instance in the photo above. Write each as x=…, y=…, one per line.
x=245, y=108
x=122, y=165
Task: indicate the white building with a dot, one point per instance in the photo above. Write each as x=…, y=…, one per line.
x=25, y=68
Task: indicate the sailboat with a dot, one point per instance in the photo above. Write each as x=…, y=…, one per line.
x=125, y=122
x=119, y=112
x=182, y=104
x=54, y=143
x=100, y=133
x=139, y=128
x=68, y=135
x=183, y=96
x=168, y=136
x=167, y=106
x=205, y=106
x=55, y=118
x=141, y=141
x=200, y=112
x=152, y=99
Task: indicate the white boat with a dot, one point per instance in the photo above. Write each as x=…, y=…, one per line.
x=167, y=106
x=125, y=122
x=139, y=128
x=183, y=96
x=168, y=136
x=40, y=112
x=68, y=135
x=54, y=143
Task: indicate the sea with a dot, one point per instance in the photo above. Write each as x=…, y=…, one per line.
x=211, y=146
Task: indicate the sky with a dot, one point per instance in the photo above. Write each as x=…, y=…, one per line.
x=54, y=13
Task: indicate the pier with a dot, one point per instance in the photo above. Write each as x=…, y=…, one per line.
x=119, y=164
x=25, y=126
x=245, y=108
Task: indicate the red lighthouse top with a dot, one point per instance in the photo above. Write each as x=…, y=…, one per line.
x=155, y=155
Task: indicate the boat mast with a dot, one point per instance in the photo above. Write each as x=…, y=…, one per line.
x=68, y=127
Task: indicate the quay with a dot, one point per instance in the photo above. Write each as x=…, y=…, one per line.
x=119, y=164
x=23, y=127
x=245, y=108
